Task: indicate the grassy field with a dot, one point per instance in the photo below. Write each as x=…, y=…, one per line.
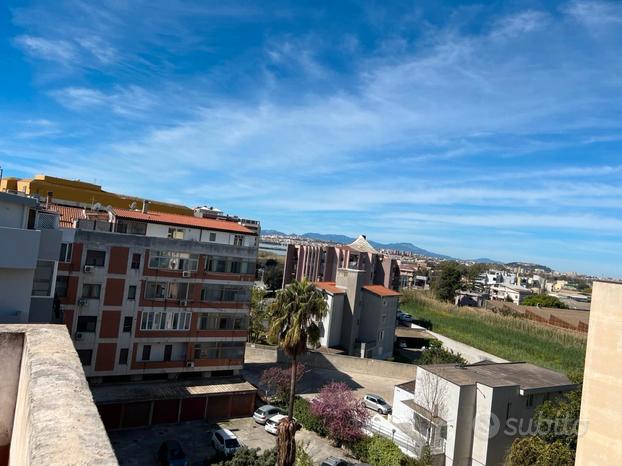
x=510, y=338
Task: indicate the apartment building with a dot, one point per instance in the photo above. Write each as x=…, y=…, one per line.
x=361, y=316
x=470, y=415
x=148, y=295
x=29, y=247
x=319, y=263
x=514, y=293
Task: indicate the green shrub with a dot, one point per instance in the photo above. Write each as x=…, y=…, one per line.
x=302, y=457
x=533, y=451
x=302, y=413
x=383, y=452
x=378, y=451
x=436, y=354
x=250, y=457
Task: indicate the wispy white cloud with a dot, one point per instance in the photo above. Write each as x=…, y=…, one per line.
x=60, y=51
x=127, y=101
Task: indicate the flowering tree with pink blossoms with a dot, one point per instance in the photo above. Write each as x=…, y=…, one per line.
x=344, y=414
x=277, y=380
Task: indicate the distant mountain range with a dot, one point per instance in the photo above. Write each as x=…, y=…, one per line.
x=407, y=247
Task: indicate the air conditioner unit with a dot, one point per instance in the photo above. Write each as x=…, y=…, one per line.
x=82, y=302
x=183, y=302
x=78, y=336
x=189, y=363
x=88, y=268
x=186, y=274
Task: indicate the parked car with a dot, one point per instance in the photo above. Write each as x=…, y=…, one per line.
x=225, y=442
x=333, y=461
x=376, y=403
x=261, y=415
x=272, y=424
x=405, y=318
x=170, y=453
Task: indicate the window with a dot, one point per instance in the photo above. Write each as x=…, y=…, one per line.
x=238, y=240
x=173, y=260
x=176, y=233
x=131, y=292
x=91, y=291
x=86, y=324
x=219, y=350
x=163, y=320
x=131, y=228
x=168, y=352
x=529, y=401
x=154, y=290
x=225, y=293
x=135, y=261
x=65, y=252
x=61, y=286
x=127, y=324
x=146, y=352
x=381, y=335
x=229, y=265
x=42, y=282
x=85, y=356
x=95, y=258
x=223, y=321
x=172, y=290
x=123, y=354
x=212, y=236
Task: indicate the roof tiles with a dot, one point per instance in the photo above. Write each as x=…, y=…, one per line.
x=183, y=220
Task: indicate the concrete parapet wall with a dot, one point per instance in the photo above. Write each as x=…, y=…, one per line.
x=56, y=421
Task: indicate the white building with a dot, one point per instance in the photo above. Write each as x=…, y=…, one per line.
x=513, y=292
x=29, y=252
x=361, y=316
x=471, y=414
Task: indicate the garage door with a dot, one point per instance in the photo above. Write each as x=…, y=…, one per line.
x=192, y=409
x=165, y=411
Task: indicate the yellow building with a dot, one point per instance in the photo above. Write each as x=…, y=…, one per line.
x=78, y=192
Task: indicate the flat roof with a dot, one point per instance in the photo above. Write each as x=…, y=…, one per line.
x=144, y=391
x=182, y=220
x=529, y=377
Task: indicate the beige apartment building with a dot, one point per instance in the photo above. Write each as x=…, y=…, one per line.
x=600, y=435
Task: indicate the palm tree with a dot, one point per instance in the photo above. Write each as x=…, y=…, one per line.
x=293, y=324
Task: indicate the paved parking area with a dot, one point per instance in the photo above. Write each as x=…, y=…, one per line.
x=315, y=379
x=138, y=447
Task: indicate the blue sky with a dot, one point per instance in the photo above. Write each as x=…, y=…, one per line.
x=488, y=129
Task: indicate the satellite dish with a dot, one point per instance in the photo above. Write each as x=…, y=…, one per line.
x=97, y=206
x=133, y=206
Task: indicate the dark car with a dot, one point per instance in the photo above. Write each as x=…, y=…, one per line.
x=333, y=461
x=171, y=454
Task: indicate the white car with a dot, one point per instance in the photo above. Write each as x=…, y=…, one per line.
x=261, y=415
x=272, y=424
x=376, y=403
x=225, y=442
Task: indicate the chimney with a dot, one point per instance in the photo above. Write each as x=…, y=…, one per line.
x=145, y=206
x=48, y=199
